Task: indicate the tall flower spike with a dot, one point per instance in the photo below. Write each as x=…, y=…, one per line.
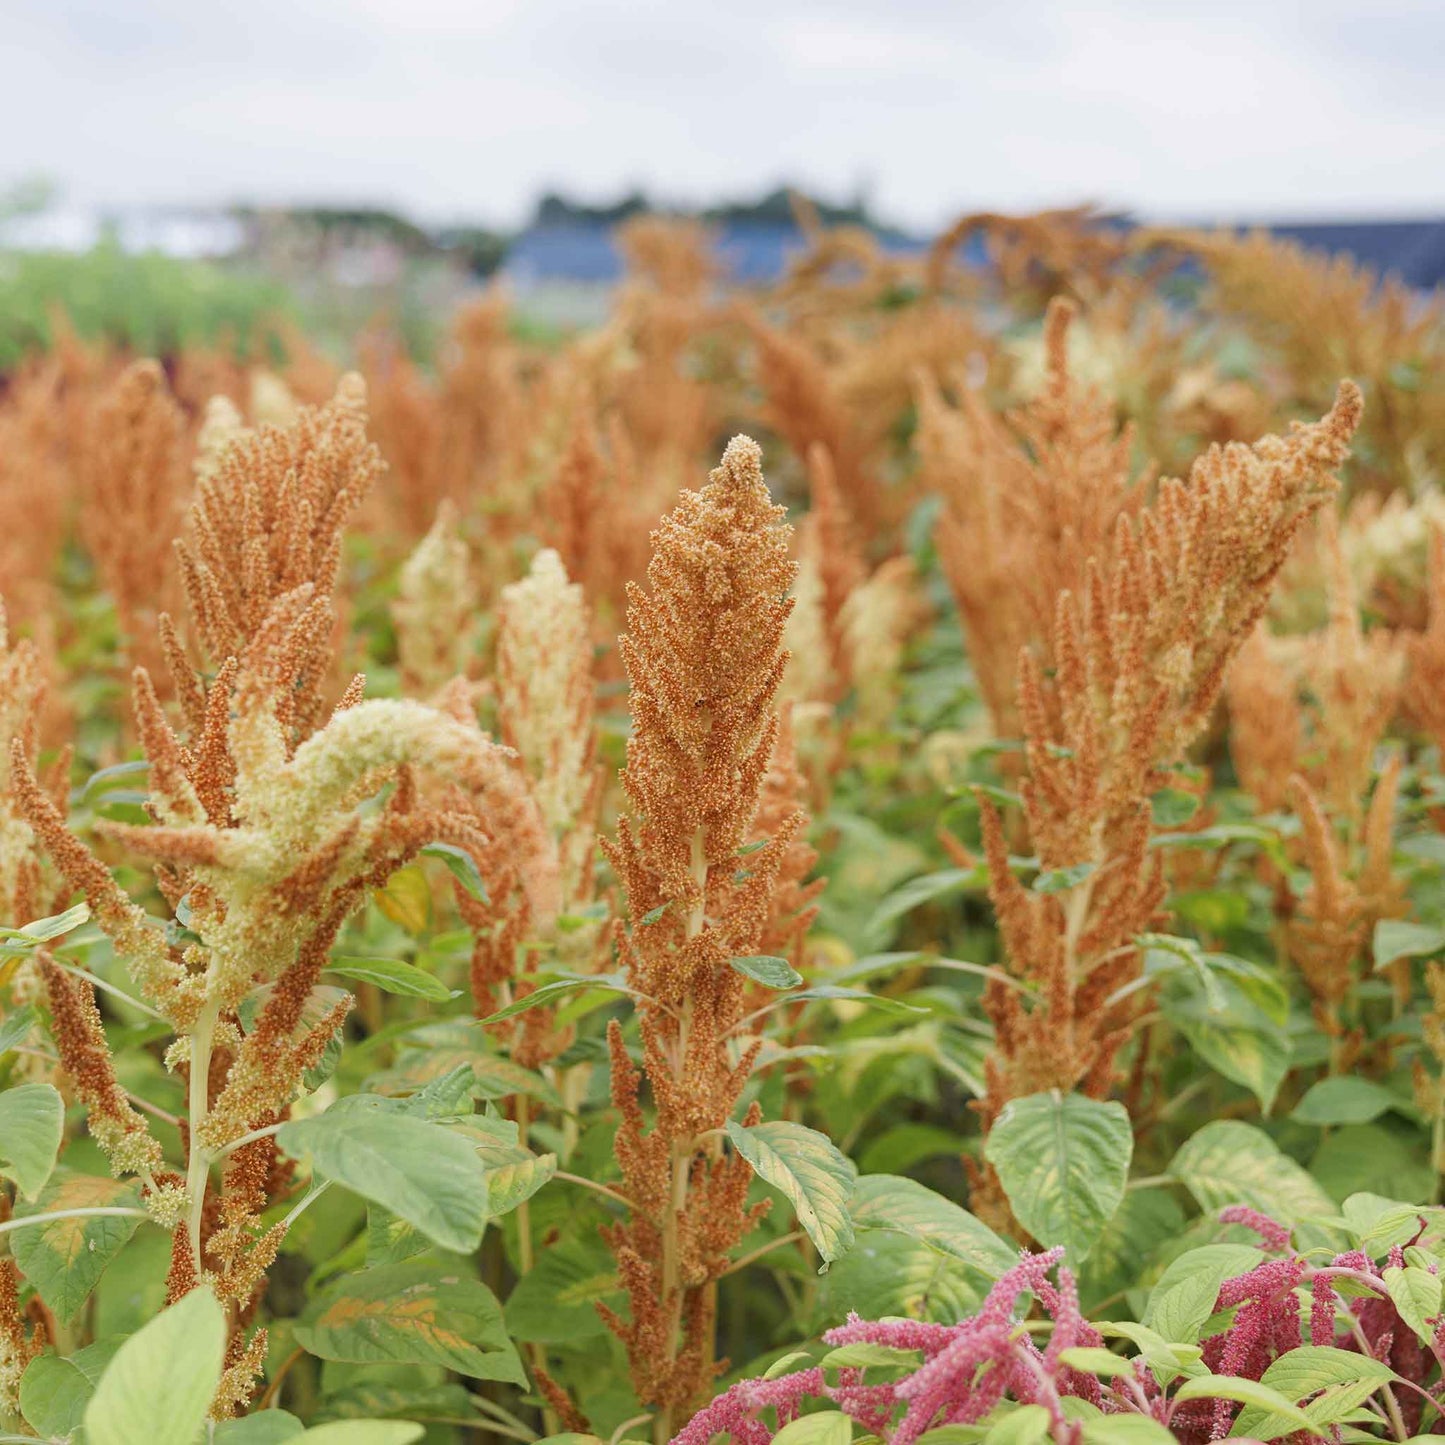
x=704, y=658
x=434, y=609
x=135, y=480
x=1139, y=660
x=1020, y=523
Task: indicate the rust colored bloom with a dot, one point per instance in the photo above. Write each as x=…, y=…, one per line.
x=704, y=658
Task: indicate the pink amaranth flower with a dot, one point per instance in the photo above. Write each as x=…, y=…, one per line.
x=1274, y=1234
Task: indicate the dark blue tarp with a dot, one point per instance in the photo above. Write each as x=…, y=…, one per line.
x=1412, y=250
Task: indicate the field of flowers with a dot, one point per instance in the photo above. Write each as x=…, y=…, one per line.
x=863, y=861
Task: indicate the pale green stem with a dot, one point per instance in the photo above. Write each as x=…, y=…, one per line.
x=103, y=1211
x=199, y=1103
x=110, y=988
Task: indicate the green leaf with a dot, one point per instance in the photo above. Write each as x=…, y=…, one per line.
x=390, y=975
x=1095, y=1360
x=1416, y=1295
x=793, y=1360
x=1377, y=1223
x=814, y=1176
x=55, y=1389
x=461, y=865
x=32, y=1124
x=1343, y=1099
x=863, y=1355
x=421, y=1171
x=1063, y=1161
x=415, y=1312
x=509, y=1185
x=1300, y=1373
x=1126, y=1430
x=15, y=1027
x=1228, y=1162
x=654, y=915
x=406, y=899
x=554, y=1303
x=159, y=1386
x=65, y=1258
x=1395, y=939
x=908, y=896
x=768, y=970
x=1060, y=880
x=548, y=993
x=265, y=1427
x=42, y=930
x=1167, y=1358
x=888, y=1201
x=1028, y=1425
x=1246, y=1392
x=826, y=1427
x=1183, y=1299
x=1226, y=1026
x=842, y=993
x=362, y=1432
x=1173, y=807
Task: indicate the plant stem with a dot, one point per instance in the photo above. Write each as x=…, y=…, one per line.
x=112, y=1210
x=245, y=1139
x=758, y=1253
x=111, y=989
x=595, y=1187
x=199, y=1104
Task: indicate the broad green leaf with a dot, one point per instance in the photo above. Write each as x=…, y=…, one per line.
x=1226, y=1026
x=863, y=1355
x=1063, y=1161
x=826, y=1427
x=461, y=865
x=893, y=1274
x=554, y=1303
x=1095, y=1360
x=888, y=1201
x=1060, y=880
x=1343, y=1099
x=362, y=1432
x=406, y=899
x=1126, y=1430
x=417, y=1312
x=1416, y=1295
x=1298, y=1374
x=55, y=1389
x=508, y=1185
x=768, y=970
x=15, y=1027
x=160, y=1383
x=1246, y=1392
x=32, y=1124
x=65, y=1258
x=1173, y=807
x=1166, y=1357
x=390, y=975
x=265, y=1427
x=810, y=1171
x=908, y=896
x=1377, y=1223
x=1395, y=939
x=421, y=1171
x=1228, y=1162
x=1184, y=1298
x=1028, y=1425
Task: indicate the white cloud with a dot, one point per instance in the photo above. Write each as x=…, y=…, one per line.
x=450, y=107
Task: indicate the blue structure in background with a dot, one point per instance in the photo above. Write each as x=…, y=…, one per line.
x=757, y=252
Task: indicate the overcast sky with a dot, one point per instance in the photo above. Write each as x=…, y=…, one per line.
x=467, y=108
